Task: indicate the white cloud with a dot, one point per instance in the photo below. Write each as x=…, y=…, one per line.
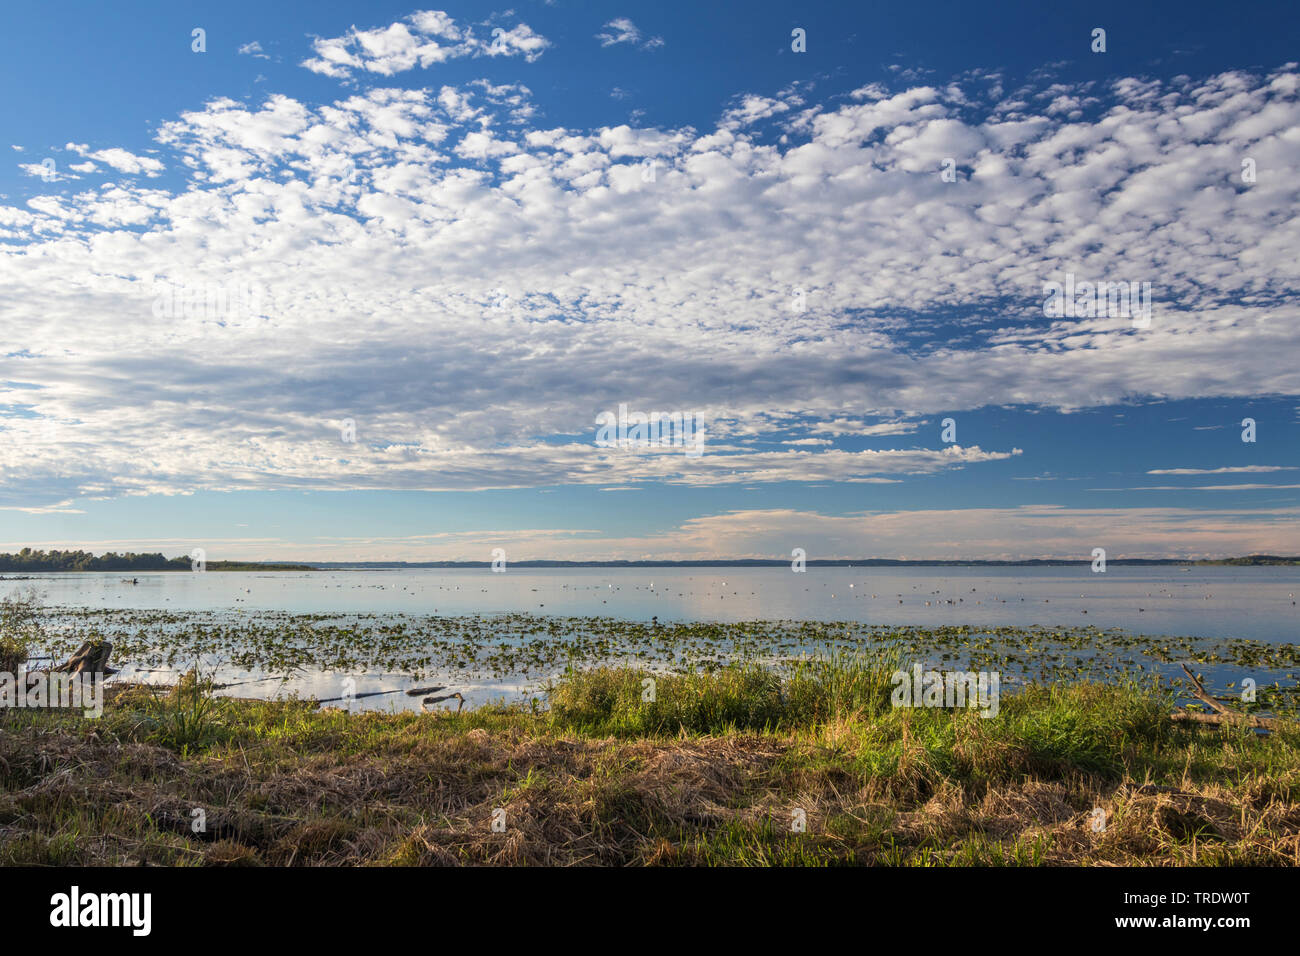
x=622, y=30
x=120, y=159
x=49, y=173
x=423, y=39
x=1229, y=470
x=1242, y=487
x=473, y=288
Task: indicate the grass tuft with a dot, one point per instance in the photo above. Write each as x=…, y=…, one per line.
x=805, y=764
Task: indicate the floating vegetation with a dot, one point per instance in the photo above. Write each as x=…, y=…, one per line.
x=529, y=649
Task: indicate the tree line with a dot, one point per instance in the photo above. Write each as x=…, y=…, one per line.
x=55, y=560
x=29, y=560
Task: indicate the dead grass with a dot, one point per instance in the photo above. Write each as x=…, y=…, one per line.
x=285, y=785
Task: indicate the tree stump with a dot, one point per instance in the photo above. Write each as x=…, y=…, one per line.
x=90, y=658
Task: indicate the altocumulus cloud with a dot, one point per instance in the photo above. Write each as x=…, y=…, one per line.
x=473, y=288
x=423, y=39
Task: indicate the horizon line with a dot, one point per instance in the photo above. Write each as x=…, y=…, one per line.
x=298, y=564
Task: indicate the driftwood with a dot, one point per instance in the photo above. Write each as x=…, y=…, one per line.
x=369, y=693
x=241, y=683
x=424, y=704
x=413, y=692
x=90, y=658
x=1222, y=714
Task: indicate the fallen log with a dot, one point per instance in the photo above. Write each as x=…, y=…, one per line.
x=1262, y=723
x=424, y=704
x=1224, y=715
x=240, y=683
x=379, y=693
x=369, y=693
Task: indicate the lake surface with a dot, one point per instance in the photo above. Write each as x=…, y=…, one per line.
x=1257, y=603
x=502, y=636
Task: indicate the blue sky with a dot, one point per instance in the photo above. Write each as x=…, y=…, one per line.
x=470, y=229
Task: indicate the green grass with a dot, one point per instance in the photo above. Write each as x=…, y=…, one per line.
x=745, y=696
x=18, y=617
x=712, y=771
x=1087, y=726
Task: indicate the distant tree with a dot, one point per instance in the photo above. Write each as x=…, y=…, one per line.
x=56, y=560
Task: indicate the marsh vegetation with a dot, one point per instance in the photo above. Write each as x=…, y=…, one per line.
x=714, y=770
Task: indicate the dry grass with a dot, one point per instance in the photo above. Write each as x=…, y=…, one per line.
x=282, y=784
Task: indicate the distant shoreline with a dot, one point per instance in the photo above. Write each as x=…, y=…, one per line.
x=16, y=570
x=1251, y=561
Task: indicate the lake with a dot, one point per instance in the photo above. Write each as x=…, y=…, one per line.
x=398, y=628
x=1258, y=603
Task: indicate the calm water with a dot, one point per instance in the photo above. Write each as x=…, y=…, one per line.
x=1218, y=602
x=1213, y=603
